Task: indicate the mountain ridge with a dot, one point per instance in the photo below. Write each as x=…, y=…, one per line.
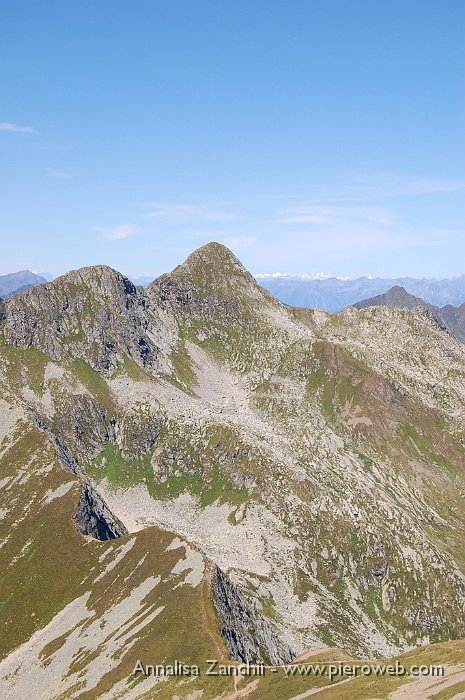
x=316, y=459
x=334, y=294
x=449, y=317
x=17, y=282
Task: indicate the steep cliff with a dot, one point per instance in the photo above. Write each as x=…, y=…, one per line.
x=248, y=635
x=94, y=519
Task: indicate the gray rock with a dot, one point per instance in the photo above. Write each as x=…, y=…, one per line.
x=85, y=428
x=248, y=635
x=94, y=313
x=65, y=457
x=136, y=433
x=94, y=518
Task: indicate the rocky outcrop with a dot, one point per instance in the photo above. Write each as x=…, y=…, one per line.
x=94, y=313
x=93, y=517
x=248, y=635
x=2, y=310
x=65, y=456
x=447, y=317
x=137, y=431
x=205, y=286
x=85, y=428
x=186, y=297
x=213, y=285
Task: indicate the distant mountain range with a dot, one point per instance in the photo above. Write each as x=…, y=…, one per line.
x=311, y=290
x=335, y=293
x=18, y=282
x=450, y=317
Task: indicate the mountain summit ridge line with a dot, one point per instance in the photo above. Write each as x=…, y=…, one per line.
x=315, y=459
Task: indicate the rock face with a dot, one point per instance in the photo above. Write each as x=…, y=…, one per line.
x=136, y=432
x=317, y=460
x=85, y=426
x=248, y=635
x=212, y=285
x=94, y=313
x=94, y=519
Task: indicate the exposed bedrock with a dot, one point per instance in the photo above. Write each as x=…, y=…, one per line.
x=94, y=518
x=248, y=635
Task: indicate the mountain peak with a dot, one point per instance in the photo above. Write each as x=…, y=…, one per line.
x=94, y=313
x=213, y=267
x=396, y=297
x=90, y=273
x=212, y=271
x=448, y=317
x=213, y=251
x=18, y=282
x=213, y=285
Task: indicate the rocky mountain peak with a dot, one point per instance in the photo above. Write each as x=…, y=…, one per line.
x=97, y=277
x=448, y=317
x=94, y=313
x=213, y=285
x=213, y=270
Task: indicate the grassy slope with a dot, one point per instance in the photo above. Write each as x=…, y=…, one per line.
x=403, y=432
x=450, y=655
x=45, y=565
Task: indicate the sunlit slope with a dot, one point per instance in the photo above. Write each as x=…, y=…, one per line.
x=317, y=459
x=77, y=613
x=436, y=672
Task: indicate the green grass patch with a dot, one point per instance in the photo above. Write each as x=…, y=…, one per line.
x=23, y=366
x=94, y=383
x=182, y=366
x=421, y=443
x=122, y=473
x=130, y=369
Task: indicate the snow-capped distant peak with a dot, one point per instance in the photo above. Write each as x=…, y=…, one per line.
x=302, y=276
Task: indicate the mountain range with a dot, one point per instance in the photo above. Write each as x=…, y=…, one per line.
x=17, y=282
x=196, y=471
x=334, y=293
x=319, y=290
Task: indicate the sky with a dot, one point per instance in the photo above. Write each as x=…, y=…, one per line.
x=306, y=135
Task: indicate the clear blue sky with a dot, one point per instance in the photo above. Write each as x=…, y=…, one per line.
x=313, y=135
